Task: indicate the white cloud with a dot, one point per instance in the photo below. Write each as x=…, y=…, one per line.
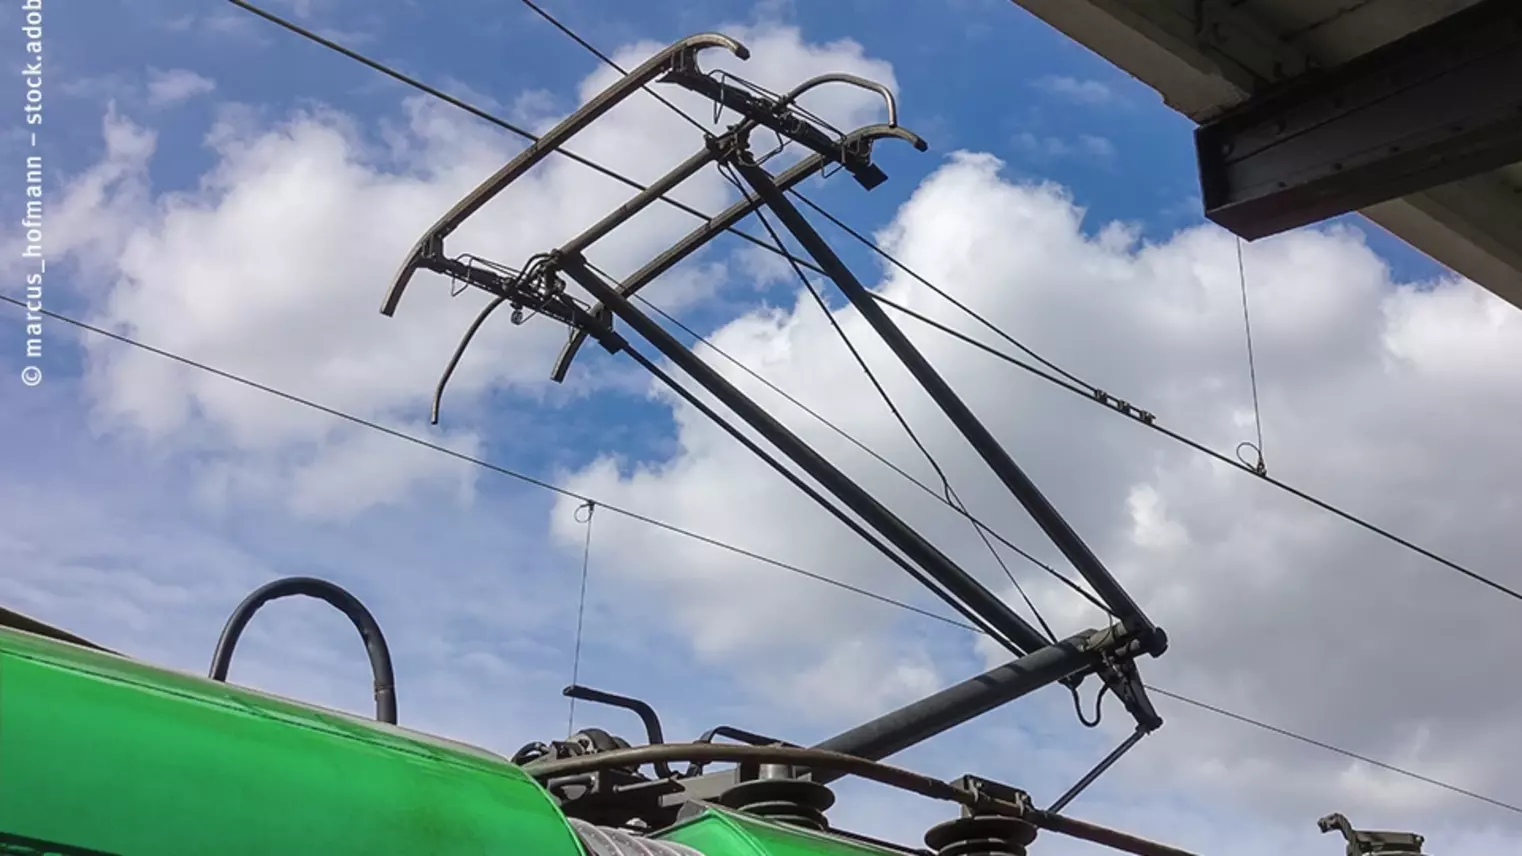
x=1048, y=148
x=273, y=267
x=1092, y=92
x=166, y=88
x=1274, y=608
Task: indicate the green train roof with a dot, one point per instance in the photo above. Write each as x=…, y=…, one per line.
x=109, y=755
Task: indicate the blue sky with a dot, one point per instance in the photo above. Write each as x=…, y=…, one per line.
x=144, y=502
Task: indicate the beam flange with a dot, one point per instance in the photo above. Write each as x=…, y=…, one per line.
x=1433, y=107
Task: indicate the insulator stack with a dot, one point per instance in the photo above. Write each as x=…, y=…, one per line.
x=792, y=801
x=981, y=835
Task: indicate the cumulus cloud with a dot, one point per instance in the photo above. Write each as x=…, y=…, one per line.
x=1045, y=149
x=176, y=85
x=1275, y=608
x=273, y=267
x=1092, y=92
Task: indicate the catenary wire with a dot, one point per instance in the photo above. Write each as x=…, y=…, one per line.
x=1283, y=732
x=873, y=453
x=573, y=36
x=943, y=293
x=522, y=477
x=488, y=465
x=1072, y=383
x=1259, y=466
x=1092, y=392
x=1206, y=450
x=951, y=497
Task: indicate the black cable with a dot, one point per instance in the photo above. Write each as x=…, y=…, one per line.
x=951, y=496
x=1252, y=370
x=1206, y=450
x=581, y=611
x=942, y=293
x=496, y=468
x=703, y=538
x=611, y=64
x=489, y=117
x=1282, y=732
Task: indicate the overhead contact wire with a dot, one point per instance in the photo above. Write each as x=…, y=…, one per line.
x=488, y=465
x=486, y=116
x=501, y=470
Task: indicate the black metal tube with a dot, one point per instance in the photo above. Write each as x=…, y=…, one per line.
x=921, y=552
x=697, y=238
x=813, y=494
x=1015, y=479
x=348, y=604
x=920, y=720
x=716, y=149
x=681, y=54
x=1103, y=836
x=654, y=734
x=1099, y=770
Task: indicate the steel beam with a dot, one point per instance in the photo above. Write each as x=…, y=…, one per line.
x=1436, y=106
x=862, y=138
x=682, y=54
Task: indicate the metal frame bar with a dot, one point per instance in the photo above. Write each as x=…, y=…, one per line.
x=682, y=54
x=918, y=721
x=1017, y=633
x=777, y=115
x=1427, y=109
x=977, y=435
x=716, y=149
x=699, y=237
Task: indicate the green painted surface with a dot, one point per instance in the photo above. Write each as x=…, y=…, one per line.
x=106, y=753
x=718, y=832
